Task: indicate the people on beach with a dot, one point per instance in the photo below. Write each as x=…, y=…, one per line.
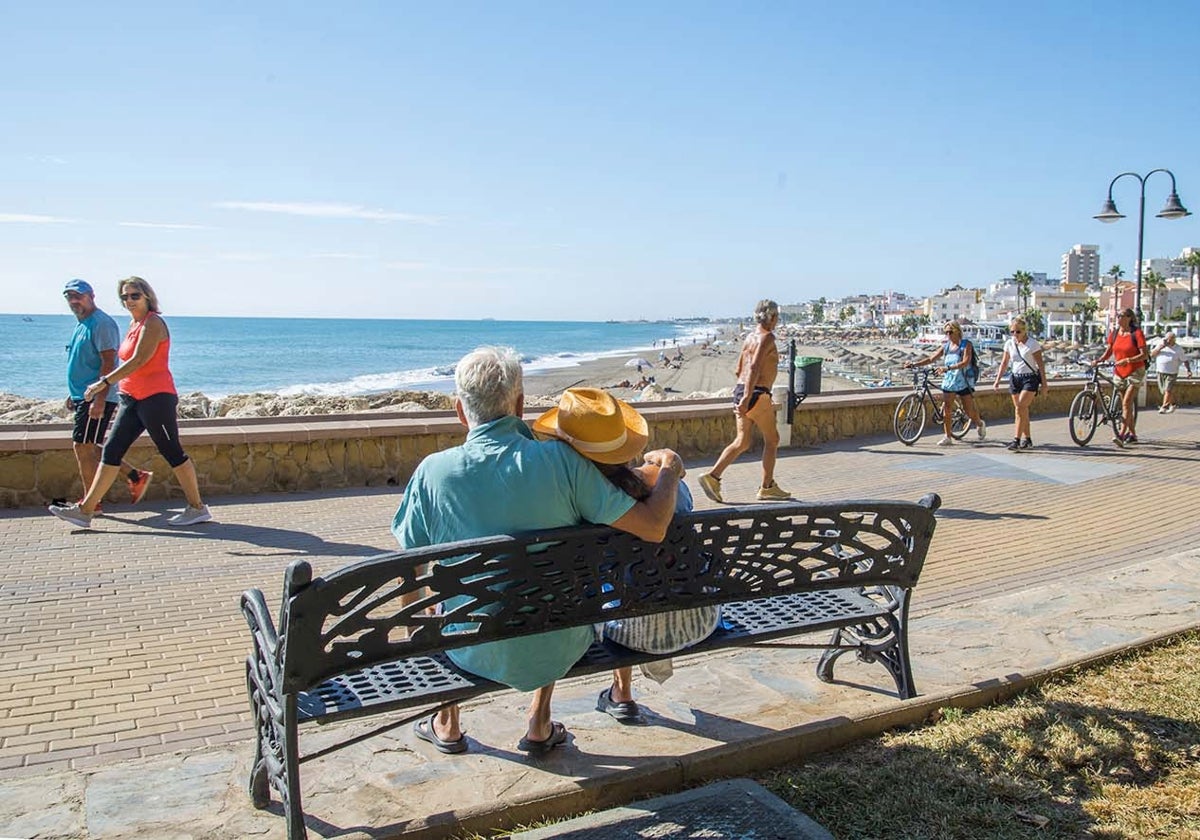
x=1167, y=359
x=91, y=355
x=663, y=633
x=757, y=367
x=1126, y=345
x=149, y=404
x=1023, y=352
x=503, y=481
x=958, y=383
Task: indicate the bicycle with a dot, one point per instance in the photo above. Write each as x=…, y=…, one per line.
x=909, y=419
x=1091, y=407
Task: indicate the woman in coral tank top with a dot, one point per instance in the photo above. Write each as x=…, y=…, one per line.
x=149, y=404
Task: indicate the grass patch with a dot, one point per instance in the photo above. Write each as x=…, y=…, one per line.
x=1112, y=752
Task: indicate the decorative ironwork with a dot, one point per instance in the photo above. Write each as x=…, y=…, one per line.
x=370, y=637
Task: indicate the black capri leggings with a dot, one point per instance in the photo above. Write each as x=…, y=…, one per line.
x=156, y=414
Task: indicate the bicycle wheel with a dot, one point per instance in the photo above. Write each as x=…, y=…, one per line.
x=959, y=423
x=1083, y=416
x=909, y=419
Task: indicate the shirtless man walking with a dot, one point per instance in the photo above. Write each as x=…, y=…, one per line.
x=757, y=368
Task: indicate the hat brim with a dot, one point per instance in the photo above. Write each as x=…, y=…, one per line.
x=636, y=435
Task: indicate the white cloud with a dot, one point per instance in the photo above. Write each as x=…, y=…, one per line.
x=33, y=219
x=163, y=226
x=54, y=159
x=410, y=266
x=335, y=255
x=327, y=211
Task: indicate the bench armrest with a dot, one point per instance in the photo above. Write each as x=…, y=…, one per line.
x=262, y=627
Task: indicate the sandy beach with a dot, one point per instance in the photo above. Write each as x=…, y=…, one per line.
x=703, y=372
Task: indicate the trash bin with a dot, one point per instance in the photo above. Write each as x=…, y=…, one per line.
x=808, y=375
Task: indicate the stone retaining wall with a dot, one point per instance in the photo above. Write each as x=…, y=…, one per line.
x=247, y=456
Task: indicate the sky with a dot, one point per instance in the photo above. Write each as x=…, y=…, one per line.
x=579, y=161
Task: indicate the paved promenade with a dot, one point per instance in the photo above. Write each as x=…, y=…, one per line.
x=122, y=649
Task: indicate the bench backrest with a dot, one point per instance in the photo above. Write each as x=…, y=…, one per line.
x=508, y=586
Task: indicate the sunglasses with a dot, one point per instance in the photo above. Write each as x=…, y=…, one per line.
x=132, y=296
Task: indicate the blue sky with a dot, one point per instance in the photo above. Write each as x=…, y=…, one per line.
x=579, y=160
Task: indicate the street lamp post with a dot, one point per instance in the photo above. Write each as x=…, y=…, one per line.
x=1173, y=210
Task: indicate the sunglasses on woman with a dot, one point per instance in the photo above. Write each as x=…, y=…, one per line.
x=132, y=296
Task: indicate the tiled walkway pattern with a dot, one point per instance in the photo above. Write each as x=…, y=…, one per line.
x=128, y=642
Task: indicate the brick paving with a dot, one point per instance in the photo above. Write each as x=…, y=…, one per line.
x=127, y=641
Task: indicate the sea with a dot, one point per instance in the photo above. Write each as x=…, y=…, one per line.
x=329, y=356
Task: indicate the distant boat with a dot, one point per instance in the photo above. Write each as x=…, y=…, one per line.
x=27, y=319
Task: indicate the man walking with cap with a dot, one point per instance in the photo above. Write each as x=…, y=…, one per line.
x=91, y=354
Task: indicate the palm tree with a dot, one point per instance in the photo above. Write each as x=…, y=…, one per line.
x=1192, y=261
x=1086, y=310
x=1024, y=281
x=1116, y=273
x=1155, y=282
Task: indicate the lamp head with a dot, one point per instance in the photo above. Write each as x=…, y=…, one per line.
x=1174, y=209
x=1109, y=214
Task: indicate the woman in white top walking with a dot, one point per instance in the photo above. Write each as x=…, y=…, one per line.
x=1167, y=359
x=1023, y=352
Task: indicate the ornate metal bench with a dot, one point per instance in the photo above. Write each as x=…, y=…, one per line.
x=346, y=647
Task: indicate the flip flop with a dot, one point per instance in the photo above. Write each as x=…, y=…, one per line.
x=558, y=735
x=424, y=730
x=627, y=712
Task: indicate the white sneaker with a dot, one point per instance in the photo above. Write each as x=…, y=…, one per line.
x=191, y=516
x=73, y=514
x=981, y=429
x=771, y=493
x=1171, y=408
x=1163, y=409
x=946, y=441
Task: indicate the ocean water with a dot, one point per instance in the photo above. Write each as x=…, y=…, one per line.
x=221, y=356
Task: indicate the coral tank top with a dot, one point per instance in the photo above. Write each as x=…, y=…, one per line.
x=151, y=378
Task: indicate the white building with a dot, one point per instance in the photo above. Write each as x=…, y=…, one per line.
x=1082, y=265
x=954, y=304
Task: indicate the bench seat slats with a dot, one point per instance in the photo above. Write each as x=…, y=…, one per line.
x=423, y=681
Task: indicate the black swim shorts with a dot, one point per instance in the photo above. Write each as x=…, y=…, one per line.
x=739, y=391
x=1025, y=382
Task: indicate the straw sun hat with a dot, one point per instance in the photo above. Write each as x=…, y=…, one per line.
x=599, y=426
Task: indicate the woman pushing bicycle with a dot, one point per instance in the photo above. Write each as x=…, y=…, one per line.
x=958, y=360
x=1028, y=378
x=1127, y=347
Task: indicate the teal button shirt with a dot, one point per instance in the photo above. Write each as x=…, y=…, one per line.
x=502, y=481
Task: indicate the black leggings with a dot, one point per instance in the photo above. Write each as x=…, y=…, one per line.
x=156, y=414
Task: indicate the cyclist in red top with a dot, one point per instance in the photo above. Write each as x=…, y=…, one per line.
x=1127, y=346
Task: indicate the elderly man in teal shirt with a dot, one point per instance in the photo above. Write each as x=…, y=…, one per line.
x=502, y=481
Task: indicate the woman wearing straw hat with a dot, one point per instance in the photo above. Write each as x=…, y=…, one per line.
x=580, y=414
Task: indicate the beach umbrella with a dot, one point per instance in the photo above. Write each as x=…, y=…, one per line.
x=638, y=361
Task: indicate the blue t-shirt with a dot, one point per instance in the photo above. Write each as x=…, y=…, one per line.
x=94, y=334
x=502, y=481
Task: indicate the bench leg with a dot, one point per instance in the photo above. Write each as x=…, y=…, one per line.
x=276, y=751
x=883, y=640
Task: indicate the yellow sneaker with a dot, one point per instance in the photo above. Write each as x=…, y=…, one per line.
x=772, y=493
x=711, y=485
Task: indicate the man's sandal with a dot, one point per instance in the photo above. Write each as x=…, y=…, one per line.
x=424, y=730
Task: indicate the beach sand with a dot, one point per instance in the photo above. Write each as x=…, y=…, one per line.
x=703, y=373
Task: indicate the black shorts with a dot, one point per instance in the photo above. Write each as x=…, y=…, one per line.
x=965, y=392
x=739, y=391
x=88, y=429
x=1025, y=382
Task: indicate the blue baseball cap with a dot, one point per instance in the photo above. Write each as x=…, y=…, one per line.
x=83, y=287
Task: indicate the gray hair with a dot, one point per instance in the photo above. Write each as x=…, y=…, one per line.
x=488, y=382
x=765, y=309
x=1170, y=336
